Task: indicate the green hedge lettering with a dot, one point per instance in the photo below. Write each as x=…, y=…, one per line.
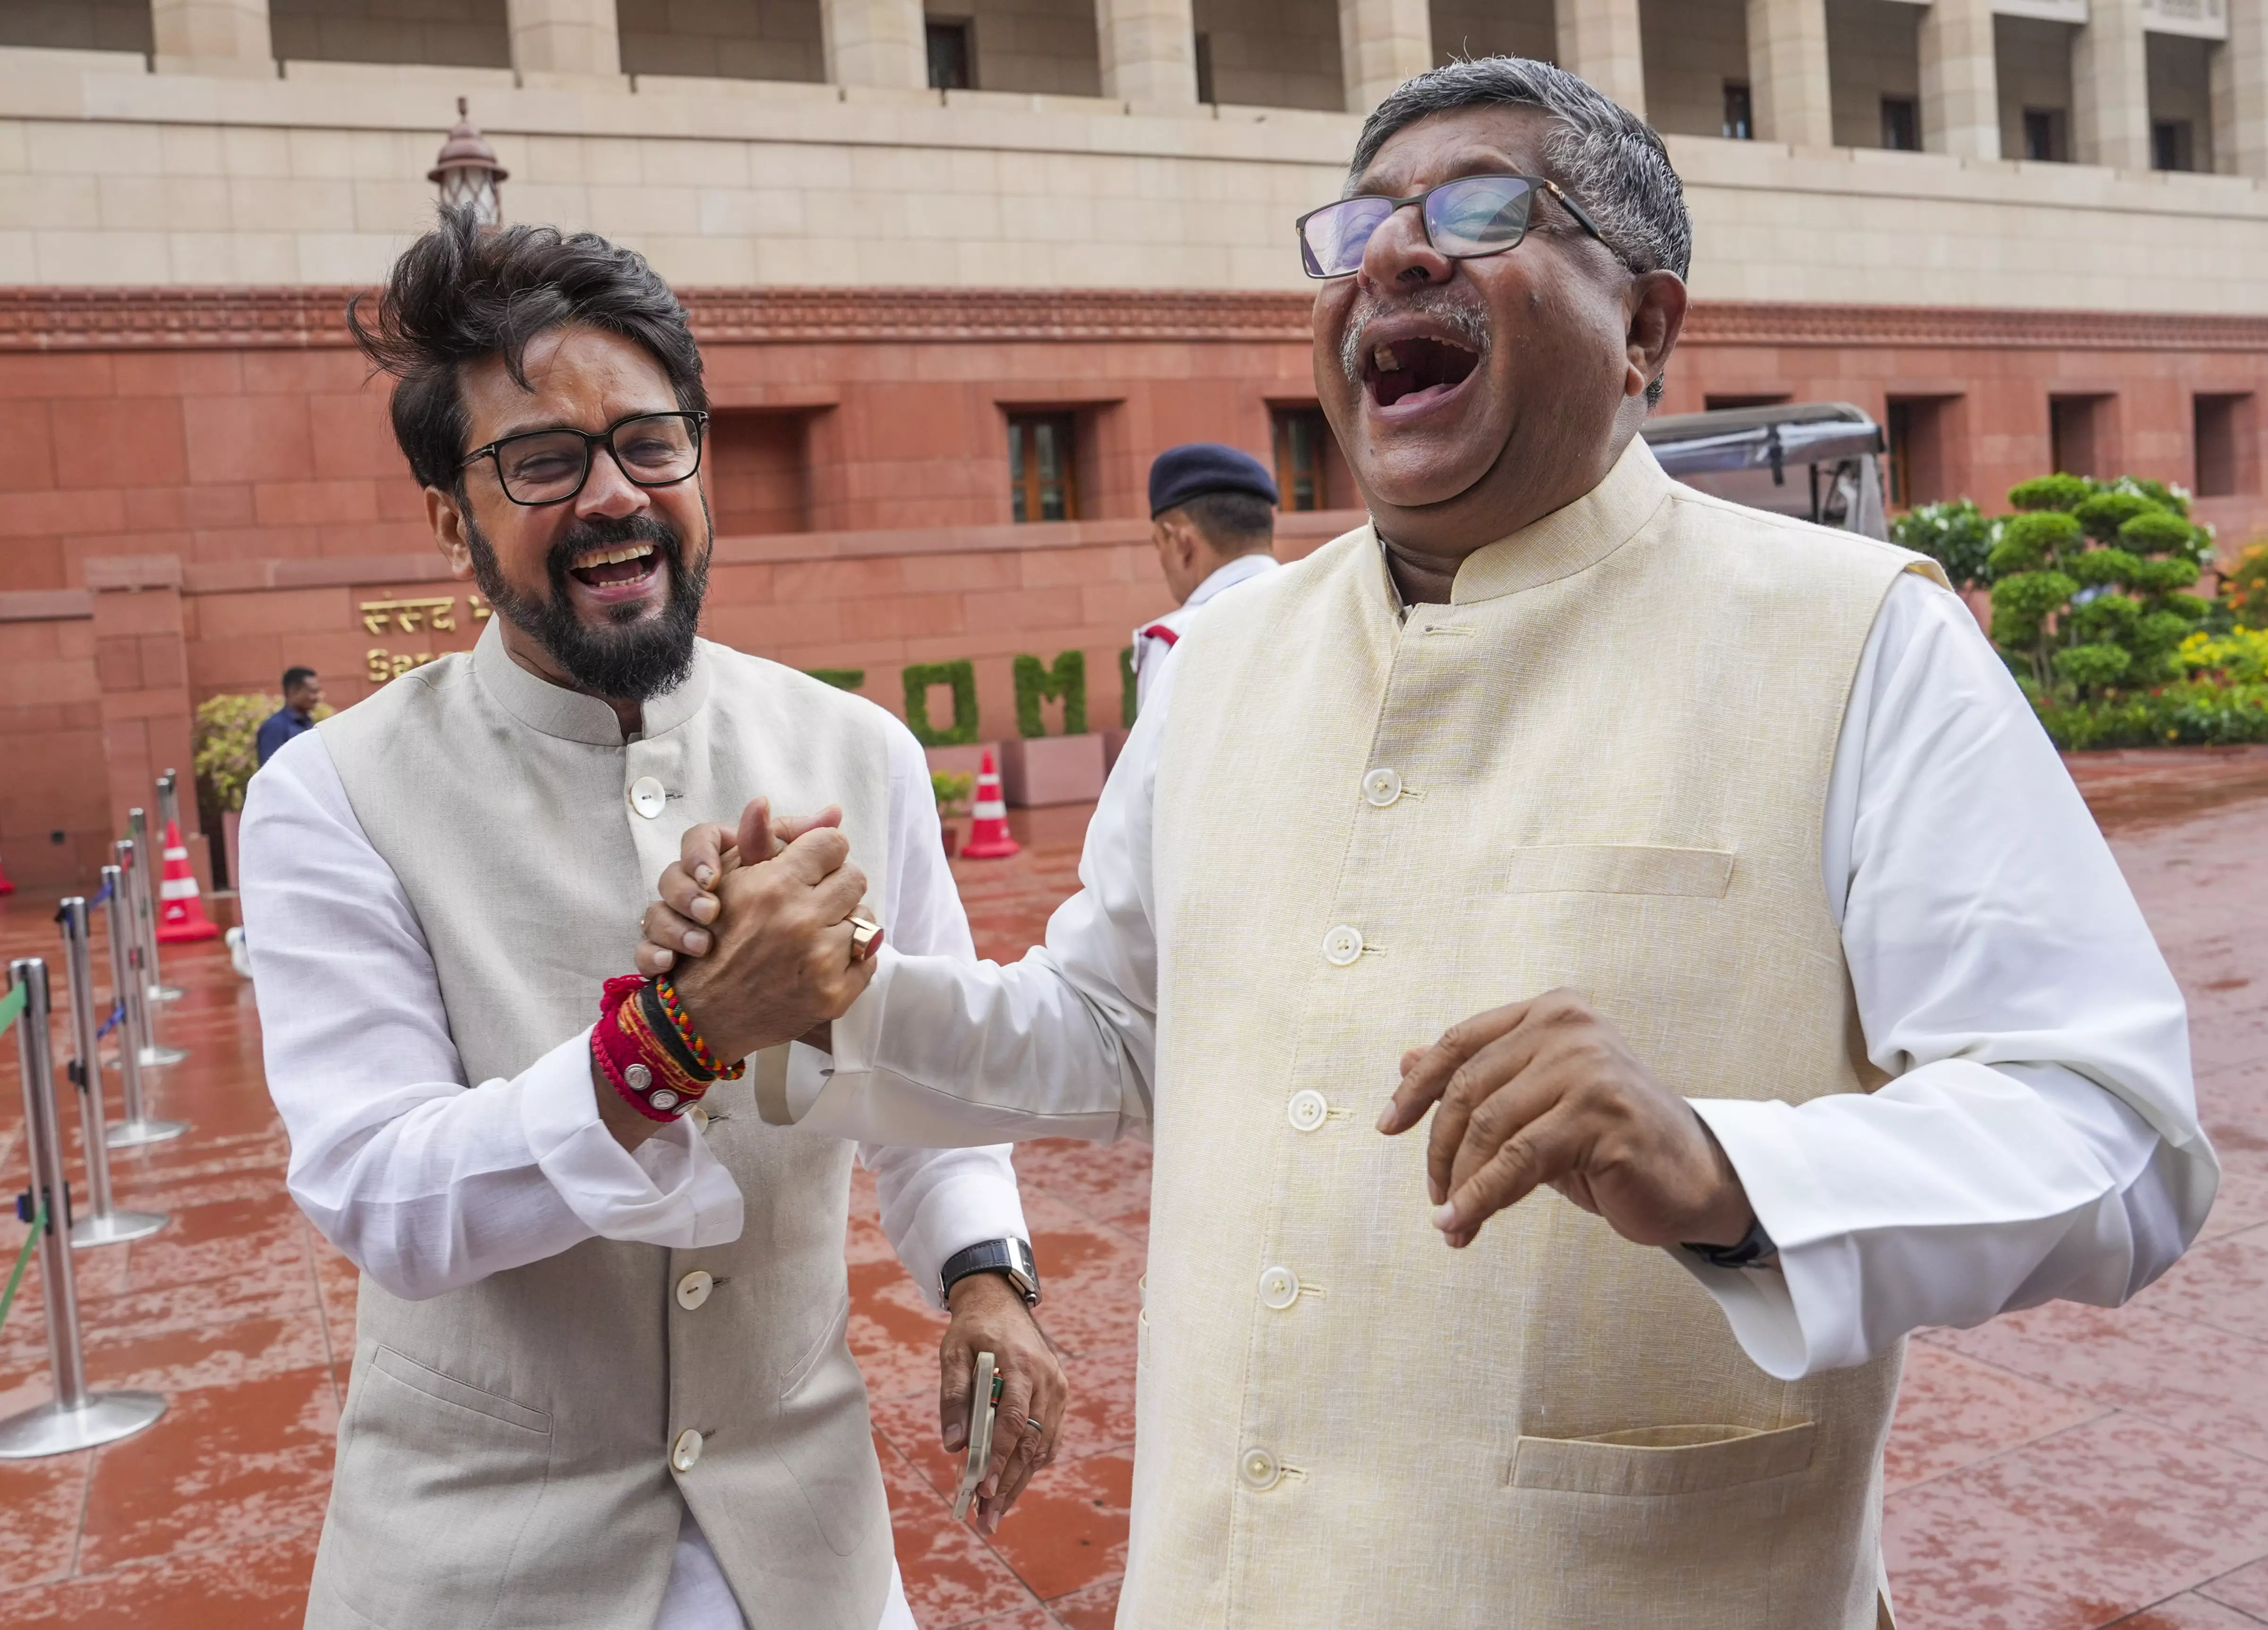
x=1126, y=689
x=1066, y=682
x=841, y=678
x=962, y=676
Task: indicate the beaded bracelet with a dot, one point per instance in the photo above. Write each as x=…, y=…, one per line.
x=686, y=1033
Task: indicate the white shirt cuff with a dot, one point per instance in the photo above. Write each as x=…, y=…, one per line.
x=670, y=1191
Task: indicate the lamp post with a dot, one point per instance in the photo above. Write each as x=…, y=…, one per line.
x=467, y=173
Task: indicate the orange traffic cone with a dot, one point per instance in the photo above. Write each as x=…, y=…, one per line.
x=987, y=819
x=181, y=915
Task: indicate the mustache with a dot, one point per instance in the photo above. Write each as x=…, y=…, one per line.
x=608, y=531
x=1454, y=306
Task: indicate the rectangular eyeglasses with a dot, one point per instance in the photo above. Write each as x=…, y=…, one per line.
x=1465, y=219
x=541, y=467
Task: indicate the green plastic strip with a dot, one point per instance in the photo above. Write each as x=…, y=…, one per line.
x=24, y=1256
x=10, y=1005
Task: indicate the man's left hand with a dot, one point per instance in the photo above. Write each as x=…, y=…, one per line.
x=1546, y=1091
x=988, y=1316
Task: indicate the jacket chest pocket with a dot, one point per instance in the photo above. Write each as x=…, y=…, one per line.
x=437, y=1471
x=1613, y=869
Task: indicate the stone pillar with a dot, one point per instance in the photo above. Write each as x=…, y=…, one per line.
x=2110, y=88
x=576, y=37
x=1787, y=72
x=1598, y=40
x=875, y=42
x=213, y=32
x=1381, y=43
x=2240, y=93
x=1148, y=49
x=1960, y=80
x=141, y=665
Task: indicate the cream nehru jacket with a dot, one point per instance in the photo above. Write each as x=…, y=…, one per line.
x=505, y=1459
x=1603, y=766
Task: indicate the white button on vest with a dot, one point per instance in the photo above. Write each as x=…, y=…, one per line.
x=1381, y=787
x=1342, y=945
x=1258, y=1469
x=694, y=1289
x=1308, y=1109
x=1279, y=1288
x=647, y=797
x=685, y=1450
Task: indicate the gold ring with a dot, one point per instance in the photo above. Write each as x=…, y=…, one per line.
x=865, y=934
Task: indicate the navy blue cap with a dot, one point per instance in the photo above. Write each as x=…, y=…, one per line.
x=1179, y=474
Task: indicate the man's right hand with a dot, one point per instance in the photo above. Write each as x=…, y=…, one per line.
x=767, y=944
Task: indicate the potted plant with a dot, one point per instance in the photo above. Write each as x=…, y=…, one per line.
x=952, y=790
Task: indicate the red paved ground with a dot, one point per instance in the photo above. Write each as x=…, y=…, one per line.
x=2059, y=1469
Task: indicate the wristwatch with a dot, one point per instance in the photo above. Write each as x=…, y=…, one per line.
x=1012, y=1256
x=1755, y=1246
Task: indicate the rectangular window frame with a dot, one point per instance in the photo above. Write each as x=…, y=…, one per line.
x=943, y=38
x=1901, y=124
x=1033, y=437
x=1739, y=112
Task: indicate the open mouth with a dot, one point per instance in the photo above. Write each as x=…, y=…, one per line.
x=615, y=566
x=1417, y=370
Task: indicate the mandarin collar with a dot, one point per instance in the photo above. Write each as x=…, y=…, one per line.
x=555, y=711
x=1572, y=539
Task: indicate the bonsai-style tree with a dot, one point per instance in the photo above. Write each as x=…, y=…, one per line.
x=2087, y=581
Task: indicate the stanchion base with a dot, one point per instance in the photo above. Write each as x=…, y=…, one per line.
x=116, y=1228
x=51, y=1429
x=156, y=1055
x=128, y=1134
x=165, y=993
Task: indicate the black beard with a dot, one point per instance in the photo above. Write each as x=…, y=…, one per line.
x=631, y=661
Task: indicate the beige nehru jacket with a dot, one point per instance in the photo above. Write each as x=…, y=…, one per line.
x=1602, y=766
x=505, y=1460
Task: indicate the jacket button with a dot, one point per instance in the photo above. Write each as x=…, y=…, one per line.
x=1258, y=1469
x=1279, y=1288
x=694, y=1289
x=1342, y=945
x=647, y=797
x=1381, y=787
x=685, y=1450
x=1308, y=1109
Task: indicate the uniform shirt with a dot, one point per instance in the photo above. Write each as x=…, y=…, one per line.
x=426, y=1185
x=1153, y=640
x=2039, y=1139
x=277, y=728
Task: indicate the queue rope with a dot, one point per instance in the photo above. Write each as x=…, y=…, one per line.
x=117, y=1017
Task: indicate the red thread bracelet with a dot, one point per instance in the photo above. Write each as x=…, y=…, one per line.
x=635, y=1060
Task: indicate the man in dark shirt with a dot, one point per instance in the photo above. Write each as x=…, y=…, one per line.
x=303, y=694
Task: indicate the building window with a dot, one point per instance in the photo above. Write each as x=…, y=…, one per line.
x=952, y=65
x=1740, y=116
x=2173, y=144
x=1043, y=482
x=1303, y=442
x=1765, y=399
x=2074, y=425
x=2219, y=425
x=1915, y=427
x=1205, y=68
x=2044, y=135
x=1901, y=124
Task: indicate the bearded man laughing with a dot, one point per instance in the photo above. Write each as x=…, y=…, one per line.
x=600, y=1377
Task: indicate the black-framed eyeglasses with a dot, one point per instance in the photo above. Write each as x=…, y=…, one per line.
x=1465, y=219
x=540, y=467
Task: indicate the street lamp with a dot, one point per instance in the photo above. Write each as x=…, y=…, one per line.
x=468, y=172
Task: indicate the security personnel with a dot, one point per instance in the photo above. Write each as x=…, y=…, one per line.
x=1212, y=516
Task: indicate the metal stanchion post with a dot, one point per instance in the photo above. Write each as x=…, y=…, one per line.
x=103, y=1225
x=145, y=916
x=133, y=855
x=126, y=980
x=77, y=1418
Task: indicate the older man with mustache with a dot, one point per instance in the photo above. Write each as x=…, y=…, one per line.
x=1702, y=871
x=600, y=1372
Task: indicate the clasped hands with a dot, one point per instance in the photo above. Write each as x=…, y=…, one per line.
x=752, y=928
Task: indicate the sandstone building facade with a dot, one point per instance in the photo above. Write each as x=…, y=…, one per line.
x=960, y=267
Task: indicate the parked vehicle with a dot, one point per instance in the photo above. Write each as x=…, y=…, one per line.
x=1817, y=461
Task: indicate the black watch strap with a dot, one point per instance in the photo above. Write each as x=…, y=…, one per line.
x=1755, y=1246
x=1012, y=1256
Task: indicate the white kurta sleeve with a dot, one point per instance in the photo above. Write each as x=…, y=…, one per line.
x=2040, y=1139
x=1061, y=1043
x=425, y=1184
x=934, y=1202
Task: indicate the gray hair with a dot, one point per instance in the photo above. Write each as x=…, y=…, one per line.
x=1602, y=153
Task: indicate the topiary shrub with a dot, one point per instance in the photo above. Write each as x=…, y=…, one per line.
x=841, y=678
x=1066, y=682
x=1128, y=691
x=226, y=747
x=1955, y=535
x=2064, y=492
x=962, y=676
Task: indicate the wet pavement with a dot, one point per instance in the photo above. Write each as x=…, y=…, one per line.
x=2060, y=1469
